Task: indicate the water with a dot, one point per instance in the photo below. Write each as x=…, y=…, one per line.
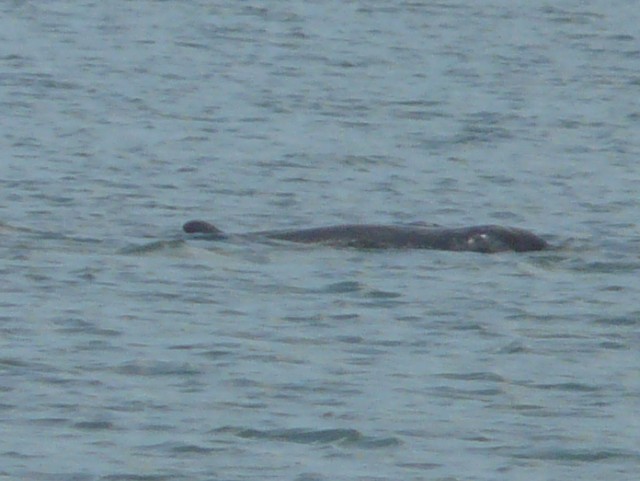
x=131, y=352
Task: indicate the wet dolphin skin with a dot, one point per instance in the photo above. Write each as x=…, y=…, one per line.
x=482, y=238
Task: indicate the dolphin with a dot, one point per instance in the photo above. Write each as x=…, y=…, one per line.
x=481, y=238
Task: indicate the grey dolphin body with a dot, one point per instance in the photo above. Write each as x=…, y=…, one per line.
x=482, y=238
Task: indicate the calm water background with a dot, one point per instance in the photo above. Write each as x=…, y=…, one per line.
x=129, y=352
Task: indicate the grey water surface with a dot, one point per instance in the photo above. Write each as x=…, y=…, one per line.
x=129, y=351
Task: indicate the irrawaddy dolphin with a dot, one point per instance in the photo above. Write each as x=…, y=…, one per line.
x=481, y=238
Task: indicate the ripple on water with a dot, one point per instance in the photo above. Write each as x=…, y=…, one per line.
x=342, y=437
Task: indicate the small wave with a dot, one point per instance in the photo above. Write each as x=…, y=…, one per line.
x=178, y=448
x=152, y=247
x=141, y=477
x=94, y=425
x=344, y=437
x=156, y=368
x=343, y=287
x=582, y=455
x=568, y=386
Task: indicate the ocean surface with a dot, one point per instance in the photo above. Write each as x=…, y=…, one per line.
x=129, y=351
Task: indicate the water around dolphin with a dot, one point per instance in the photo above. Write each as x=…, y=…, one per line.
x=482, y=238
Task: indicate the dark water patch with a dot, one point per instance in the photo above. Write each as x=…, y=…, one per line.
x=343, y=287
x=456, y=393
x=567, y=386
x=67, y=380
x=563, y=15
x=18, y=455
x=192, y=449
x=577, y=455
x=131, y=406
x=194, y=45
x=365, y=161
x=143, y=477
x=479, y=439
x=216, y=354
x=244, y=382
x=367, y=353
x=351, y=339
x=50, y=421
x=410, y=319
x=41, y=476
x=80, y=326
x=607, y=267
x=470, y=326
x=498, y=180
x=343, y=437
x=382, y=303
x=159, y=428
x=613, y=345
x=376, y=294
x=177, y=448
x=249, y=405
x=153, y=247
x=303, y=341
x=514, y=347
x=187, y=347
x=629, y=320
x=86, y=274
x=38, y=83
x=614, y=288
x=483, y=127
x=157, y=368
x=527, y=408
x=31, y=369
x=13, y=362
x=420, y=466
x=311, y=477
x=473, y=376
x=316, y=320
x=95, y=425
x=345, y=317
x=334, y=391
x=272, y=359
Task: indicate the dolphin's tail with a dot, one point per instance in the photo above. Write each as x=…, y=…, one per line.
x=201, y=227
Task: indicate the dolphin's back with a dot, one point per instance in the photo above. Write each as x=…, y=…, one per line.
x=351, y=235
x=487, y=238
x=484, y=238
x=201, y=227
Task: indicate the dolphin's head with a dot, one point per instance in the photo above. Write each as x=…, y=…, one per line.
x=201, y=227
x=497, y=239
